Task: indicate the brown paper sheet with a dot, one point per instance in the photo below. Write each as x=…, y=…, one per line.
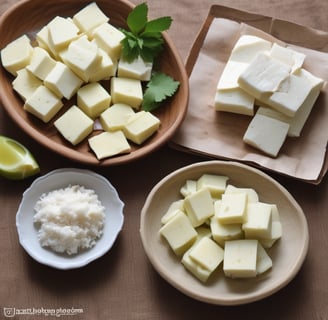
x=218, y=134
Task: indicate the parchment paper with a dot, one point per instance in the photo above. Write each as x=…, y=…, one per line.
x=219, y=134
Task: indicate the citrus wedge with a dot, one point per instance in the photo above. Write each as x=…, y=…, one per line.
x=16, y=161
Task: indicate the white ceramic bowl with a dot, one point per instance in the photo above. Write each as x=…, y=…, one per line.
x=287, y=254
x=58, y=179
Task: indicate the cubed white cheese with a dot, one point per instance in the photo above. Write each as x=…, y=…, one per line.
x=252, y=195
x=263, y=262
x=137, y=69
x=216, y=184
x=232, y=208
x=25, y=83
x=116, y=116
x=105, y=68
x=174, y=208
x=188, y=188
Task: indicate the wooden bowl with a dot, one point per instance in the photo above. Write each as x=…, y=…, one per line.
x=287, y=255
x=28, y=17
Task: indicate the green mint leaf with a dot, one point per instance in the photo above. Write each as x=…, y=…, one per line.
x=157, y=25
x=137, y=18
x=159, y=88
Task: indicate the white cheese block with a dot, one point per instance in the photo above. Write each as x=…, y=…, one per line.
x=230, y=75
x=44, y=42
x=240, y=258
x=266, y=134
x=74, y=125
x=115, y=117
x=275, y=234
x=90, y=17
x=179, y=233
x=232, y=208
x=25, y=83
x=263, y=76
x=252, y=195
x=137, y=69
x=215, y=183
x=63, y=81
x=108, y=144
x=199, y=206
x=263, y=261
x=105, y=68
x=188, y=188
x=43, y=104
x=174, y=208
x=93, y=99
x=17, y=54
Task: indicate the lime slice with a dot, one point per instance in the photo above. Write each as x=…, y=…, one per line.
x=16, y=161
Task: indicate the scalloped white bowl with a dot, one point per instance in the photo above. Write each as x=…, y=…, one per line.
x=61, y=178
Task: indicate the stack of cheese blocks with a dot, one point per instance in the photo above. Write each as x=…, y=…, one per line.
x=217, y=222
x=72, y=56
x=271, y=76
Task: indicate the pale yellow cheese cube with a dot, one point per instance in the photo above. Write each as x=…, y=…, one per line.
x=108, y=144
x=43, y=104
x=126, y=90
x=207, y=253
x=199, y=206
x=41, y=63
x=263, y=260
x=179, y=233
x=17, y=54
x=63, y=81
x=44, y=42
x=252, y=195
x=230, y=74
x=258, y=220
x=109, y=38
x=275, y=234
x=188, y=188
x=232, y=208
x=115, y=117
x=105, y=69
x=141, y=126
x=93, y=99
x=174, y=208
x=74, y=125
x=90, y=17
x=25, y=83
x=240, y=258
x=215, y=183
x=137, y=69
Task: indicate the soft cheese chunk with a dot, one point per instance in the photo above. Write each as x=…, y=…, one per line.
x=240, y=258
x=90, y=17
x=126, y=90
x=199, y=206
x=43, y=104
x=44, y=42
x=173, y=209
x=232, y=208
x=137, y=69
x=63, y=81
x=266, y=134
x=115, y=117
x=188, y=188
x=216, y=184
x=141, y=126
x=41, y=63
x=74, y=125
x=17, y=54
x=93, y=99
x=25, y=83
x=179, y=233
x=108, y=144
x=263, y=260
x=105, y=68
x=252, y=195
x=263, y=76
x=230, y=75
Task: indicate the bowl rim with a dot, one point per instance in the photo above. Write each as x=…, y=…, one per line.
x=68, y=151
x=81, y=259
x=208, y=298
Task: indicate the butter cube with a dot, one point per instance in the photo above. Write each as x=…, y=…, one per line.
x=105, y=68
x=174, y=208
x=108, y=144
x=62, y=81
x=266, y=134
x=141, y=126
x=232, y=208
x=109, y=38
x=215, y=183
x=126, y=90
x=43, y=104
x=61, y=32
x=258, y=220
x=74, y=125
x=199, y=206
x=41, y=63
x=25, y=83
x=17, y=54
x=115, y=117
x=93, y=99
x=263, y=260
x=207, y=253
x=263, y=76
x=90, y=17
x=179, y=233
x=240, y=258
x=252, y=195
x=188, y=188
x=137, y=69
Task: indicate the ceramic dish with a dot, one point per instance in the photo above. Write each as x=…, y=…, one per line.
x=287, y=254
x=27, y=17
x=58, y=179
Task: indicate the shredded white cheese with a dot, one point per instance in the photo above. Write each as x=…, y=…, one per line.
x=69, y=219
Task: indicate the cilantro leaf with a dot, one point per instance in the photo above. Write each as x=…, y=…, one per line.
x=157, y=25
x=159, y=88
x=137, y=18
